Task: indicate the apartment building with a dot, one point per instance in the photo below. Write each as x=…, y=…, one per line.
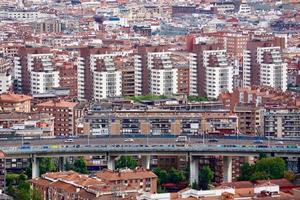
x=68, y=78
x=142, y=79
x=138, y=179
x=163, y=76
x=101, y=74
x=251, y=119
x=10, y=102
x=203, y=61
x=282, y=122
x=234, y=43
x=122, y=184
x=273, y=71
x=165, y=72
x=128, y=82
x=5, y=75
x=159, y=122
x=64, y=115
x=2, y=171
x=218, y=73
x=47, y=26
x=263, y=65
x=258, y=96
x=23, y=14
x=34, y=71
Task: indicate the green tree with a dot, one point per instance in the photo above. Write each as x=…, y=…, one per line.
x=273, y=167
x=35, y=194
x=162, y=175
x=12, y=179
x=176, y=176
x=195, y=186
x=262, y=155
x=259, y=175
x=246, y=172
x=11, y=190
x=126, y=161
x=80, y=166
x=47, y=165
x=205, y=177
x=289, y=175
x=23, y=191
x=197, y=98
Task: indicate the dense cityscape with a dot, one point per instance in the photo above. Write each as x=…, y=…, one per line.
x=149, y=99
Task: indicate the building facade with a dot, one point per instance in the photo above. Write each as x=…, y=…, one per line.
x=63, y=113
x=34, y=70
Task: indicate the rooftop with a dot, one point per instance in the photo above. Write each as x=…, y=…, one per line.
x=58, y=103
x=14, y=98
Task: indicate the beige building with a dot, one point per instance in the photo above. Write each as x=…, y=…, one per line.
x=10, y=102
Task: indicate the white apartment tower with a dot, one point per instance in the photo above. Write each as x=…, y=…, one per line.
x=34, y=71
x=104, y=77
x=5, y=75
x=273, y=71
x=163, y=76
x=263, y=65
x=218, y=73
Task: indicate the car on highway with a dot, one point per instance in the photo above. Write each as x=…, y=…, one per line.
x=279, y=142
x=24, y=147
x=53, y=147
x=129, y=140
x=182, y=139
x=26, y=143
x=69, y=141
x=213, y=140
x=258, y=142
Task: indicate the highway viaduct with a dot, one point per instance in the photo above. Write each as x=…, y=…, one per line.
x=193, y=150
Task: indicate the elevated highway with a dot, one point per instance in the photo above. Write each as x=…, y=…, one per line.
x=145, y=147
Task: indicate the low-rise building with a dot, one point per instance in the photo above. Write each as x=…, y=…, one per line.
x=63, y=113
x=138, y=179
x=10, y=102
x=104, y=185
x=282, y=122
x=158, y=122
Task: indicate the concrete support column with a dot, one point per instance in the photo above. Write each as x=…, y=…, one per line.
x=61, y=163
x=194, y=170
x=227, y=167
x=111, y=163
x=146, y=161
x=298, y=165
x=35, y=167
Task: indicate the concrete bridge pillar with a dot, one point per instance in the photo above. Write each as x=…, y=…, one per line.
x=194, y=170
x=35, y=167
x=227, y=167
x=111, y=162
x=146, y=161
x=61, y=163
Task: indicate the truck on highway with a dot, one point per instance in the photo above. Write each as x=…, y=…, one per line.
x=181, y=140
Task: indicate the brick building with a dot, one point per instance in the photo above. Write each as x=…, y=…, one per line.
x=68, y=78
x=123, y=184
x=139, y=179
x=64, y=115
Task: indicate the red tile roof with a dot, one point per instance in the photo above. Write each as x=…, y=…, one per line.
x=14, y=98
